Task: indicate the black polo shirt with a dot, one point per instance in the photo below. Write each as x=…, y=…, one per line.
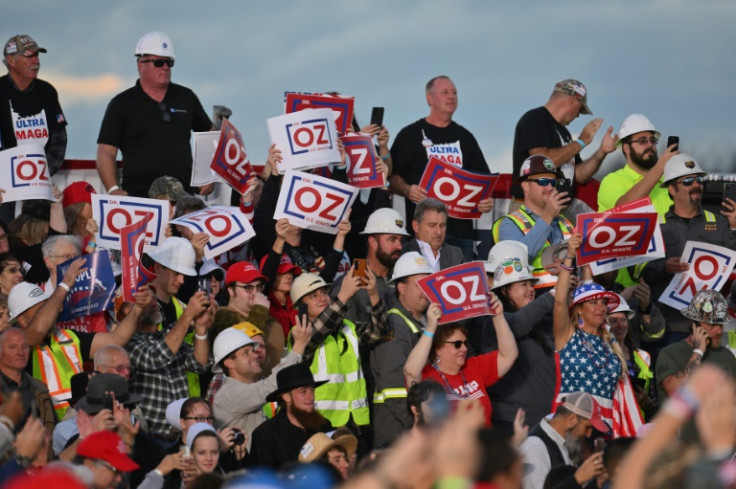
x=153, y=136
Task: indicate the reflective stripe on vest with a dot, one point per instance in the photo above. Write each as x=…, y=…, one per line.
x=732, y=339
x=709, y=217
x=337, y=360
x=55, y=365
x=395, y=392
x=525, y=223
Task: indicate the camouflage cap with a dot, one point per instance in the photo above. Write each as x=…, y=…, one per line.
x=21, y=43
x=167, y=187
x=577, y=90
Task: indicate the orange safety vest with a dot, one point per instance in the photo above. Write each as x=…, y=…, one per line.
x=55, y=364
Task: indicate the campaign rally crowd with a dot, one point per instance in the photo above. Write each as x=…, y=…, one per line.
x=311, y=355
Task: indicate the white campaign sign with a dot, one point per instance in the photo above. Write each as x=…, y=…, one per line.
x=655, y=251
x=227, y=227
x=203, y=150
x=113, y=212
x=24, y=174
x=307, y=139
x=710, y=266
x=314, y=202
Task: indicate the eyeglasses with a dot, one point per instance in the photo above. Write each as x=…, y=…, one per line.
x=250, y=288
x=544, y=182
x=66, y=257
x=201, y=419
x=646, y=140
x=165, y=115
x=688, y=181
x=14, y=270
x=108, y=466
x=458, y=343
x=159, y=63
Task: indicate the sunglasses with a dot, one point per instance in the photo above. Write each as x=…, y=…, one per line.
x=250, y=288
x=165, y=115
x=544, y=182
x=688, y=181
x=108, y=466
x=458, y=343
x=15, y=270
x=159, y=63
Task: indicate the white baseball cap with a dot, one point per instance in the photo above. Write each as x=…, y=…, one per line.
x=24, y=296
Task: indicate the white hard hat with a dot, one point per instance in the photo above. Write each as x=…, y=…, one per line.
x=229, y=340
x=177, y=254
x=633, y=124
x=304, y=284
x=510, y=271
x=679, y=166
x=385, y=221
x=23, y=296
x=410, y=263
x=155, y=43
x=624, y=307
x=502, y=251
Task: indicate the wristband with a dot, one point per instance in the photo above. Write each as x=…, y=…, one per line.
x=568, y=268
x=581, y=143
x=92, y=244
x=384, y=158
x=158, y=472
x=698, y=351
x=64, y=286
x=201, y=336
x=113, y=188
x=7, y=422
x=428, y=334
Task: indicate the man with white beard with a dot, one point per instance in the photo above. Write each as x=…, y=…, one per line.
x=558, y=440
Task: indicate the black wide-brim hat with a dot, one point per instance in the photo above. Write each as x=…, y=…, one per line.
x=94, y=401
x=292, y=377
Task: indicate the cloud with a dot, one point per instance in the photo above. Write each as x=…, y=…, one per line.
x=86, y=89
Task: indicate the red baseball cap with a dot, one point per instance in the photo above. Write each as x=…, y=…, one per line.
x=107, y=446
x=285, y=266
x=78, y=192
x=243, y=271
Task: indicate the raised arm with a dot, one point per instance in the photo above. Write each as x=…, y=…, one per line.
x=417, y=359
x=124, y=332
x=561, y=325
x=508, y=351
x=651, y=178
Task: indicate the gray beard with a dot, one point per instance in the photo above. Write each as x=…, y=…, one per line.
x=574, y=447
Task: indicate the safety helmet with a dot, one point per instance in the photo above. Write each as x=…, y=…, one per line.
x=229, y=340
x=410, y=263
x=504, y=250
x=679, y=166
x=510, y=271
x=624, y=307
x=23, y=296
x=177, y=254
x=707, y=306
x=385, y=221
x=155, y=43
x=304, y=284
x=633, y=124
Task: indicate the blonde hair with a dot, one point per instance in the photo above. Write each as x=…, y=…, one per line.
x=29, y=229
x=607, y=337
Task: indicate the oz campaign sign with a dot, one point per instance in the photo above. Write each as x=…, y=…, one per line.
x=362, y=169
x=314, y=202
x=114, y=212
x=654, y=251
x=612, y=234
x=227, y=227
x=93, y=290
x=230, y=161
x=461, y=291
x=135, y=275
x=307, y=139
x=710, y=266
x=459, y=189
x=24, y=174
x=340, y=105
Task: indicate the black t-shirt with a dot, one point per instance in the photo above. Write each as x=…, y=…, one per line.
x=409, y=157
x=536, y=129
x=153, y=137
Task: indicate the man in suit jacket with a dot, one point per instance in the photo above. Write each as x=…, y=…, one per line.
x=430, y=228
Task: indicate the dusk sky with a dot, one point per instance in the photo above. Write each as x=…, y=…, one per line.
x=670, y=60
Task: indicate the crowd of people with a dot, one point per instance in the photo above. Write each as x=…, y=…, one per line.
x=281, y=364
